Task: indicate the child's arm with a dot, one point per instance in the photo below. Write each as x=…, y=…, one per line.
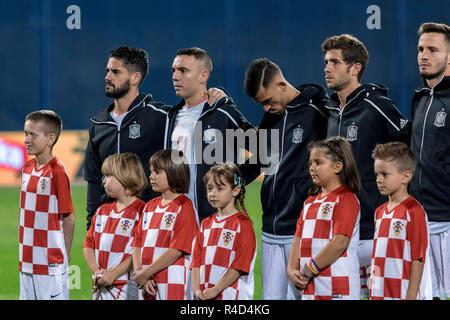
x=227, y=280
x=195, y=276
x=293, y=267
x=89, y=256
x=137, y=265
x=68, y=226
x=164, y=260
x=414, y=279
x=331, y=252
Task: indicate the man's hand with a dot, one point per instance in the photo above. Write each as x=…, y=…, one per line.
x=215, y=95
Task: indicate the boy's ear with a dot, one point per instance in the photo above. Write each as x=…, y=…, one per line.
x=51, y=138
x=407, y=175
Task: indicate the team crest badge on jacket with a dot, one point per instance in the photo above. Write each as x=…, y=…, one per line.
x=439, y=121
x=352, y=133
x=297, y=135
x=209, y=136
x=135, y=131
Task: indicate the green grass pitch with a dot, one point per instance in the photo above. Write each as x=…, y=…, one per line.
x=79, y=274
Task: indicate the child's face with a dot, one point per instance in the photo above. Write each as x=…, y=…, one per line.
x=221, y=196
x=158, y=180
x=113, y=187
x=389, y=179
x=322, y=169
x=36, y=140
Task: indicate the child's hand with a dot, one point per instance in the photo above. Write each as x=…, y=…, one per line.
x=210, y=293
x=198, y=294
x=149, y=288
x=106, y=279
x=303, y=280
x=297, y=278
x=140, y=278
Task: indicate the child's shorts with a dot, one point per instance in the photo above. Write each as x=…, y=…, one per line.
x=44, y=287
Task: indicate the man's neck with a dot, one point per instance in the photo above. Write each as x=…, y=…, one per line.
x=121, y=105
x=292, y=93
x=344, y=93
x=196, y=99
x=435, y=81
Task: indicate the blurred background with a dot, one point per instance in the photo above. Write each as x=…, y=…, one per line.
x=54, y=55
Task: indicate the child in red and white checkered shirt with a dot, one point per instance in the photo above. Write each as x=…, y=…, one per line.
x=400, y=266
x=166, y=231
x=225, y=248
x=323, y=259
x=107, y=248
x=46, y=219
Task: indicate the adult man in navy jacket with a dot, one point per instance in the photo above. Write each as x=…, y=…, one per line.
x=294, y=116
x=430, y=143
x=132, y=123
x=200, y=129
x=363, y=115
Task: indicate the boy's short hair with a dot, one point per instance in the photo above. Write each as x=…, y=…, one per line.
x=398, y=152
x=176, y=167
x=127, y=168
x=428, y=27
x=259, y=73
x=199, y=54
x=134, y=59
x=51, y=120
x=353, y=50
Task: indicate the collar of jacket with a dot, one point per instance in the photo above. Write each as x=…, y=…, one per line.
x=363, y=91
x=206, y=108
x=444, y=84
x=310, y=93
x=139, y=101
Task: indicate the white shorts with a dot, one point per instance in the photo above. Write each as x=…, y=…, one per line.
x=275, y=283
x=44, y=287
x=440, y=264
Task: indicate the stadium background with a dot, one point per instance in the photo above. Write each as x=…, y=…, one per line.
x=46, y=64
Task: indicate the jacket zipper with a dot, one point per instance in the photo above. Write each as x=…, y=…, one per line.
x=276, y=170
x=422, y=140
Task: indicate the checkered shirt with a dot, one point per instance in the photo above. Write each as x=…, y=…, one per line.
x=111, y=234
x=401, y=236
x=44, y=196
x=160, y=228
x=224, y=243
x=321, y=219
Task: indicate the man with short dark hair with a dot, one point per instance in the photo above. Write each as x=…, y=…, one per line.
x=430, y=143
x=199, y=127
x=363, y=115
x=298, y=115
x=132, y=123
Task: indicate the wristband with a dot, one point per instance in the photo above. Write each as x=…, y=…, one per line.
x=314, y=266
x=311, y=269
x=307, y=271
